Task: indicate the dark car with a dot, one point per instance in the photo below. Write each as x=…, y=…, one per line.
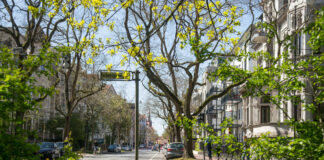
x=174, y=150
x=114, y=148
x=60, y=146
x=141, y=146
x=48, y=150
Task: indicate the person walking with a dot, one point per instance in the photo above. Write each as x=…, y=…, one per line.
x=94, y=149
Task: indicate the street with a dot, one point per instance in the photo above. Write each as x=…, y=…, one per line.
x=143, y=155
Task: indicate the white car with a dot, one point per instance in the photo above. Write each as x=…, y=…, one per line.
x=126, y=148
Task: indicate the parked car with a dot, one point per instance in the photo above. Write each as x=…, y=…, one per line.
x=164, y=150
x=60, y=146
x=174, y=150
x=142, y=146
x=114, y=148
x=126, y=148
x=48, y=150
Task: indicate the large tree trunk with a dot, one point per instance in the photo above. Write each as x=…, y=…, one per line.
x=177, y=133
x=188, y=143
x=67, y=126
x=172, y=134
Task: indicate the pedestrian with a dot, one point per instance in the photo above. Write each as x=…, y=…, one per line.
x=94, y=149
x=209, y=148
x=159, y=147
x=99, y=148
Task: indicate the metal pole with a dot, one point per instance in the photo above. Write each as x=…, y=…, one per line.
x=136, y=114
x=204, y=133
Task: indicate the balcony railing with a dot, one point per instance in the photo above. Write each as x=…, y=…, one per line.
x=259, y=37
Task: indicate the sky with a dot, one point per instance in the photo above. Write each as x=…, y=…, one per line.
x=127, y=90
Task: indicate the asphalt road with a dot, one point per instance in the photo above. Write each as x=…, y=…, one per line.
x=143, y=155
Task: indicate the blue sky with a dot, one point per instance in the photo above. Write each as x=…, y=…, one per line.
x=127, y=90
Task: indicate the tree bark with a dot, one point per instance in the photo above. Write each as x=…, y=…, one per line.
x=177, y=133
x=67, y=126
x=188, y=143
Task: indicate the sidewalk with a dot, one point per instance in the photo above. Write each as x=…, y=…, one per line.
x=200, y=156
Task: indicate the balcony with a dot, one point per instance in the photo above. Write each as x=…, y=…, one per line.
x=273, y=129
x=259, y=37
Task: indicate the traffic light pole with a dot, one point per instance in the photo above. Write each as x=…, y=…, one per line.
x=136, y=114
x=204, y=136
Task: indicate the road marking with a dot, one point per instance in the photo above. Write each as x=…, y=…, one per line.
x=154, y=156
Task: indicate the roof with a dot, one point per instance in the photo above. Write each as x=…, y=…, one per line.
x=109, y=88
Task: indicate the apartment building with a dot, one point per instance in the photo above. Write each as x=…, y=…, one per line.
x=226, y=107
x=260, y=116
x=253, y=116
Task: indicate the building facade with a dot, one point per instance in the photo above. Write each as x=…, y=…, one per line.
x=253, y=116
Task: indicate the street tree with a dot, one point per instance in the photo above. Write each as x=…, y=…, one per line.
x=166, y=38
x=78, y=36
x=118, y=116
x=18, y=90
x=152, y=135
x=96, y=104
x=162, y=108
x=30, y=27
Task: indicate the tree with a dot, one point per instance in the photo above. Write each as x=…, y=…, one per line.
x=17, y=95
x=96, y=104
x=118, y=116
x=79, y=39
x=162, y=108
x=30, y=34
x=160, y=28
x=152, y=135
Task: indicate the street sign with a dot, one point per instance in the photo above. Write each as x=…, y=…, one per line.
x=116, y=75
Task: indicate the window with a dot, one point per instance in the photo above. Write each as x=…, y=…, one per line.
x=297, y=108
x=265, y=114
x=296, y=19
x=297, y=45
